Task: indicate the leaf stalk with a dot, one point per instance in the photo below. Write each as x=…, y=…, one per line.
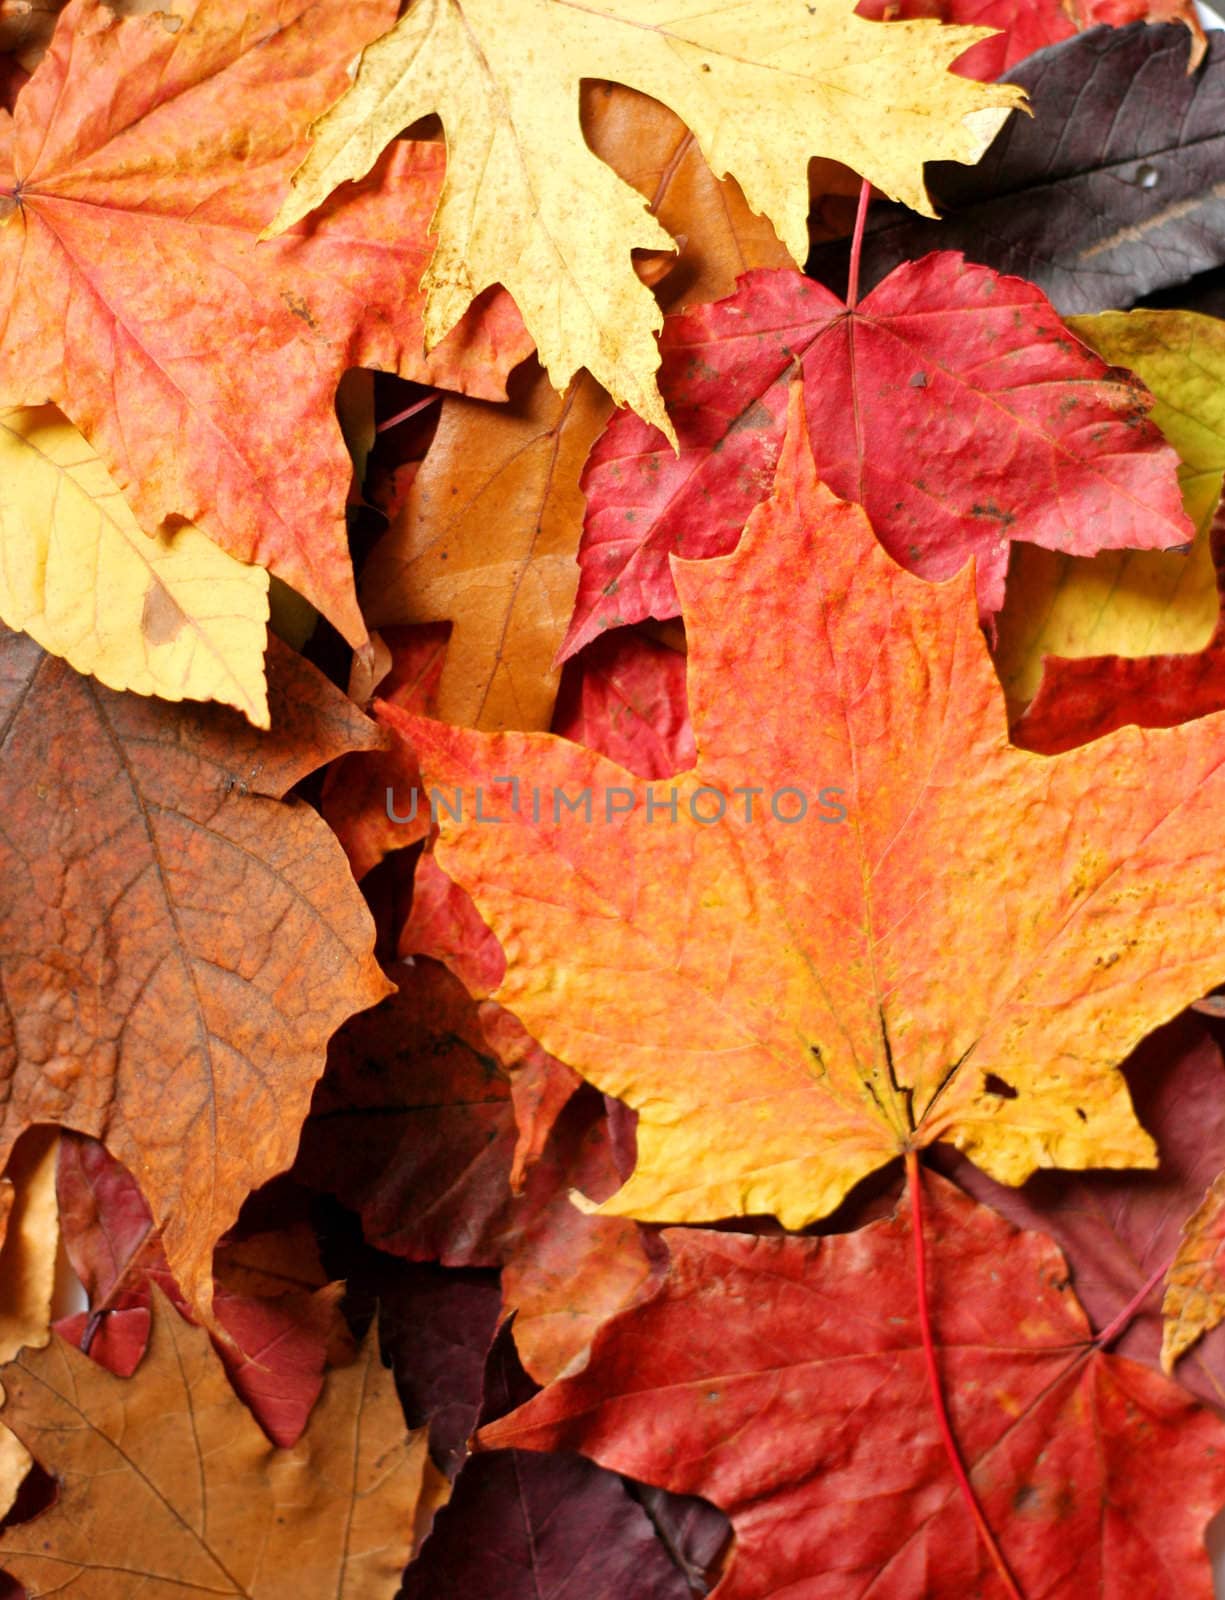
x=915, y=1184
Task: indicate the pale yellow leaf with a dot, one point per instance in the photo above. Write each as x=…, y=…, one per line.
x=763, y=84
x=168, y=614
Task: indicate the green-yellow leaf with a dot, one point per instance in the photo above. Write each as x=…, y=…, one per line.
x=763, y=84
x=1143, y=602
x=168, y=614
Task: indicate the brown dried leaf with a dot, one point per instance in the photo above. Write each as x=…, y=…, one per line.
x=159, y=912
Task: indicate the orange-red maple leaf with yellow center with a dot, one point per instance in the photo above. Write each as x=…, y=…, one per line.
x=961, y=944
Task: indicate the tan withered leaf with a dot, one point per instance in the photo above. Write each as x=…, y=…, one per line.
x=176, y=944
x=1194, y=1301
x=27, y=1272
x=168, y=1487
x=527, y=204
x=488, y=535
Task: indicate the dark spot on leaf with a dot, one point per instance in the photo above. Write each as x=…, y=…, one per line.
x=756, y=418
x=996, y=1085
x=300, y=309
x=161, y=618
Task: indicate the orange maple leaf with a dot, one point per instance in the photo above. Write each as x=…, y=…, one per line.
x=966, y=956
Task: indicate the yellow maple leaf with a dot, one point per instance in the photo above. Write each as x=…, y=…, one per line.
x=168, y=614
x=763, y=86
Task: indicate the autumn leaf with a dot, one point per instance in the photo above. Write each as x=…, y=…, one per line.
x=487, y=533
x=624, y=695
x=486, y=537
x=552, y=1525
x=414, y=1128
x=1096, y=208
x=1082, y=698
x=1129, y=1235
x=1194, y=1299
x=808, y=1421
x=30, y=1236
x=166, y=1480
x=145, y=309
x=436, y=1326
x=1071, y=611
x=160, y=908
x=951, y=403
x=526, y=203
x=277, y=1314
x=792, y=1004
x=169, y=613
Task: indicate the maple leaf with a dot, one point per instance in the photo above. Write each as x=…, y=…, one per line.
x=486, y=536
x=1062, y=616
x=139, y=165
x=1098, y=208
x=624, y=695
x=951, y=403
x=183, y=620
x=790, y=1005
x=160, y=908
x=1082, y=698
x=487, y=532
x=275, y=1309
x=526, y=203
x=789, y=1418
x=166, y=1480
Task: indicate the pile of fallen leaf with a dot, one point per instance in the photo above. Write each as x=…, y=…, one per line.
x=612, y=808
